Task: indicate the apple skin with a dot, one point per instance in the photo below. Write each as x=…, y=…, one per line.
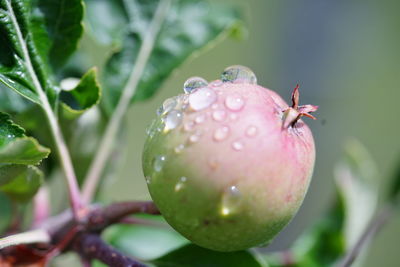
x=229, y=176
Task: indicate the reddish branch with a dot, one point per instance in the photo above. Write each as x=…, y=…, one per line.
x=91, y=246
x=82, y=237
x=102, y=217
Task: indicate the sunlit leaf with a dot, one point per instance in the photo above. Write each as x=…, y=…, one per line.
x=190, y=26
x=84, y=96
x=33, y=35
x=145, y=242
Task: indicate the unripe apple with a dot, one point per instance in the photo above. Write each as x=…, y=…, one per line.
x=228, y=163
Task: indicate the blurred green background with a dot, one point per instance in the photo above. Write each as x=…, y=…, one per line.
x=345, y=56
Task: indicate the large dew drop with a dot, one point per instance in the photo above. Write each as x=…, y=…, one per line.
x=194, y=83
x=173, y=119
x=158, y=163
x=202, y=98
x=168, y=105
x=230, y=200
x=239, y=74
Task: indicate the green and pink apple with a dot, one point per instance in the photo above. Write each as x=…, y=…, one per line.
x=228, y=163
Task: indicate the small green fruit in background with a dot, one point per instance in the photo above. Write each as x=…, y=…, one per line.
x=228, y=163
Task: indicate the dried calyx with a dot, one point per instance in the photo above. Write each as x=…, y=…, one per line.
x=292, y=114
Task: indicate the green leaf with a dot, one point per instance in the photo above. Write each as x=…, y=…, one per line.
x=21, y=61
x=324, y=243
x=33, y=35
x=18, y=179
x=9, y=171
x=84, y=96
x=162, y=246
x=17, y=151
x=106, y=20
x=189, y=27
x=24, y=186
x=8, y=130
x=57, y=27
x=145, y=242
x=24, y=150
x=15, y=147
x=195, y=256
x=12, y=102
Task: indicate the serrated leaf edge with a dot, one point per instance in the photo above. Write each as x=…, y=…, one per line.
x=7, y=119
x=42, y=149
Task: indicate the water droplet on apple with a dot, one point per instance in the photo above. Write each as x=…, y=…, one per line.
x=233, y=116
x=216, y=83
x=237, y=145
x=194, y=138
x=148, y=179
x=238, y=74
x=168, y=105
x=234, y=102
x=230, y=200
x=179, y=148
x=202, y=98
x=180, y=184
x=158, y=163
x=221, y=133
x=161, y=126
x=160, y=111
x=194, y=83
x=150, y=130
x=200, y=118
x=173, y=119
x=188, y=126
x=219, y=115
x=251, y=131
